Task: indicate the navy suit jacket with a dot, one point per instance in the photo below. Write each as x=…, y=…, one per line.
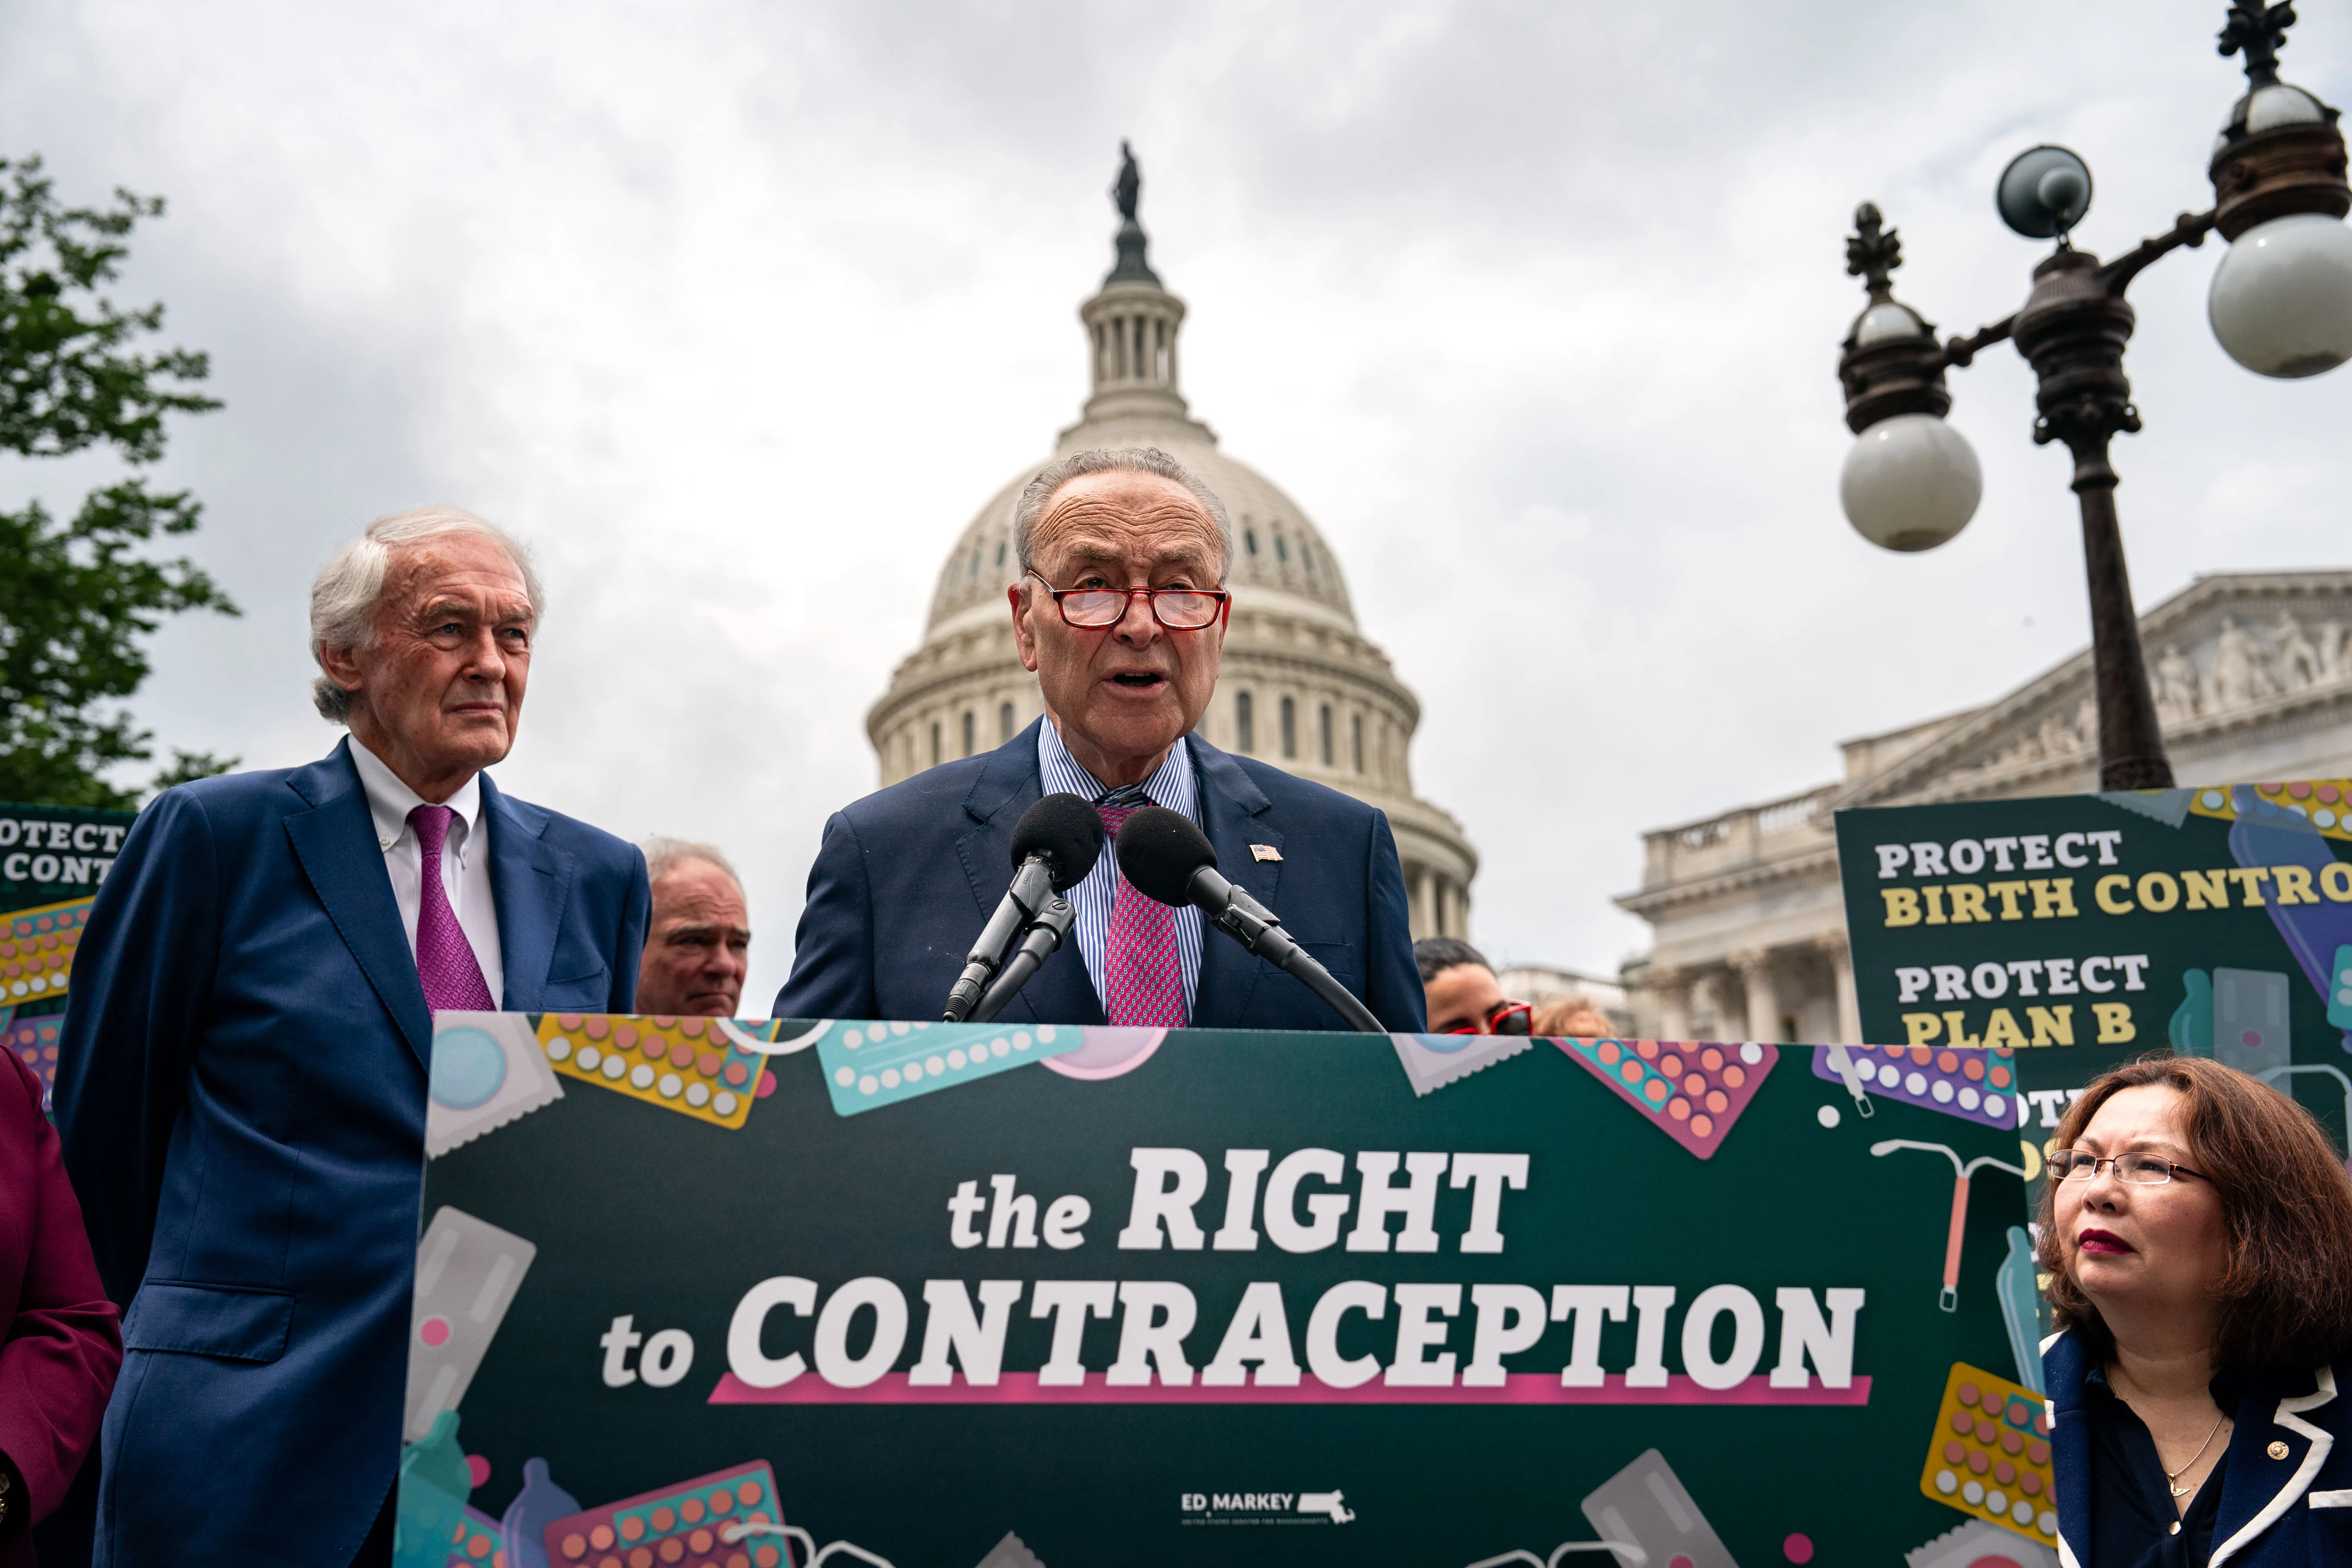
x=241, y=1092
x=2291, y=1508
x=907, y=876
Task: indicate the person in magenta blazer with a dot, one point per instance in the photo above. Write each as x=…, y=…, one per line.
x=61, y=1348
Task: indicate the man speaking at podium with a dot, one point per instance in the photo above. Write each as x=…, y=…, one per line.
x=1120, y=613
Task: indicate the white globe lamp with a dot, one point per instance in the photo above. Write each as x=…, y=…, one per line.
x=1910, y=483
x=2281, y=303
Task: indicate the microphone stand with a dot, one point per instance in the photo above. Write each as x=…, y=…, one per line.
x=1043, y=934
x=1032, y=889
x=1259, y=929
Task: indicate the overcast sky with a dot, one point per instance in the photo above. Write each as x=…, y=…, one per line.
x=738, y=311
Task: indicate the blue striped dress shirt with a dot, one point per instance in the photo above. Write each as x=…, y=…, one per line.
x=1173, y=787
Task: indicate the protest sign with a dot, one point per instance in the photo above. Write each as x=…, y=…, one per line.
x=52, y=860
x=49, y=853
x=964, y=1293
x=2215, y=920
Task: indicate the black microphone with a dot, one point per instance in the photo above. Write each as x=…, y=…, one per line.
x=1054, y=845
x=1037, y=944
x=1165, y=857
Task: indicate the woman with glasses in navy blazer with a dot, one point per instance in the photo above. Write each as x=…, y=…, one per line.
x=2197, y=1231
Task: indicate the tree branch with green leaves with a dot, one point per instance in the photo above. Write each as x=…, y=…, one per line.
x=77, y=599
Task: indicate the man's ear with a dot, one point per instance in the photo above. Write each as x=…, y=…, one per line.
x=1025, y=635
x=343, y=667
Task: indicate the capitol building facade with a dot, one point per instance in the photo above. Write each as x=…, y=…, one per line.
x=2252, y=679
x=1301, y=687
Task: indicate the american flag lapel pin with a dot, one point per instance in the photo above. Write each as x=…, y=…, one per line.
x=1264, y=852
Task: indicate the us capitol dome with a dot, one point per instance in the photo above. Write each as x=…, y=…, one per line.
x=1300, y=686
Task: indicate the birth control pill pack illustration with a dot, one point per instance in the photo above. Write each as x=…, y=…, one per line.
x=1990, y=1454
x=870, y=1065
x=478, y=1543
x=730, y=1517
x=1692, y=1091
x=1974, y=1083
x=709, y=1069
x=36, y=949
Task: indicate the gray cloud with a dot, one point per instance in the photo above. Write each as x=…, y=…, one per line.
x=739, y=311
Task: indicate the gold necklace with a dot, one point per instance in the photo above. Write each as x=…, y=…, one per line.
x=2172, y=1476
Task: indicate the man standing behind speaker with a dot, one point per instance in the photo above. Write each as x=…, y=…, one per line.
x=241, y=1080
x=698, y=947
x=1120, y=610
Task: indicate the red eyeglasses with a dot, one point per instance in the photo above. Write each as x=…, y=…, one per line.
x=1178, y=609
x=1508, y=1018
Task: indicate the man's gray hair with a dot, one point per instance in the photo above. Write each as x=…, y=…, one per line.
x=343, y=598
x=1111, y=460
x=664, y=855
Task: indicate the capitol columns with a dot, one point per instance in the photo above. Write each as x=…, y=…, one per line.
x=1672, y=987
x=1755, y=969
x=1833, y=947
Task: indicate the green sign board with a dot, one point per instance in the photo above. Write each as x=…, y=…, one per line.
x=52, y=860
x=49, y=853
x=956, y=1294
x=2216, y=921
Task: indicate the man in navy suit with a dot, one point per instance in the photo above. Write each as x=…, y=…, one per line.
x=1120, y=613
x=241, y=1073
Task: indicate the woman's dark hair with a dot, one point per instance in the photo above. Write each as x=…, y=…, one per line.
x=2286, y=1211
x=1434, y=955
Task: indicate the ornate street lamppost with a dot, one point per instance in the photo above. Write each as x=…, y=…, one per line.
x=2281, y=305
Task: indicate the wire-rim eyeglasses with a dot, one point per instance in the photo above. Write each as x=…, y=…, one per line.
x=1178, y=609
x=2133, y=1170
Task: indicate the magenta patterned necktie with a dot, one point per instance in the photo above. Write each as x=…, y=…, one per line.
x=1143, y=975
x=445, y=958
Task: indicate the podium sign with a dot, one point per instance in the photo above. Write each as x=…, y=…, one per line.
x=956, y=1293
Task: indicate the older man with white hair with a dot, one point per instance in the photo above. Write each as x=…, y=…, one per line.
x=242, y=1075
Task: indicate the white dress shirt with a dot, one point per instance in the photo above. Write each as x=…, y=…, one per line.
x=465, y=859
x=1173, y=785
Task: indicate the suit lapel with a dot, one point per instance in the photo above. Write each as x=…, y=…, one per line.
x=2063, y=1370
x=2257, y=1491
x=1009, y=785
x=336, y=844
x=1232, y=810
x=530, y=881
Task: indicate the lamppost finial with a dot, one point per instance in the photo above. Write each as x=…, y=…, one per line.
x=2258, y=31
x=1872, y=252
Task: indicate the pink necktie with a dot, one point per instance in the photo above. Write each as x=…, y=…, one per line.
x=445, y=958
x=1143, y=975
